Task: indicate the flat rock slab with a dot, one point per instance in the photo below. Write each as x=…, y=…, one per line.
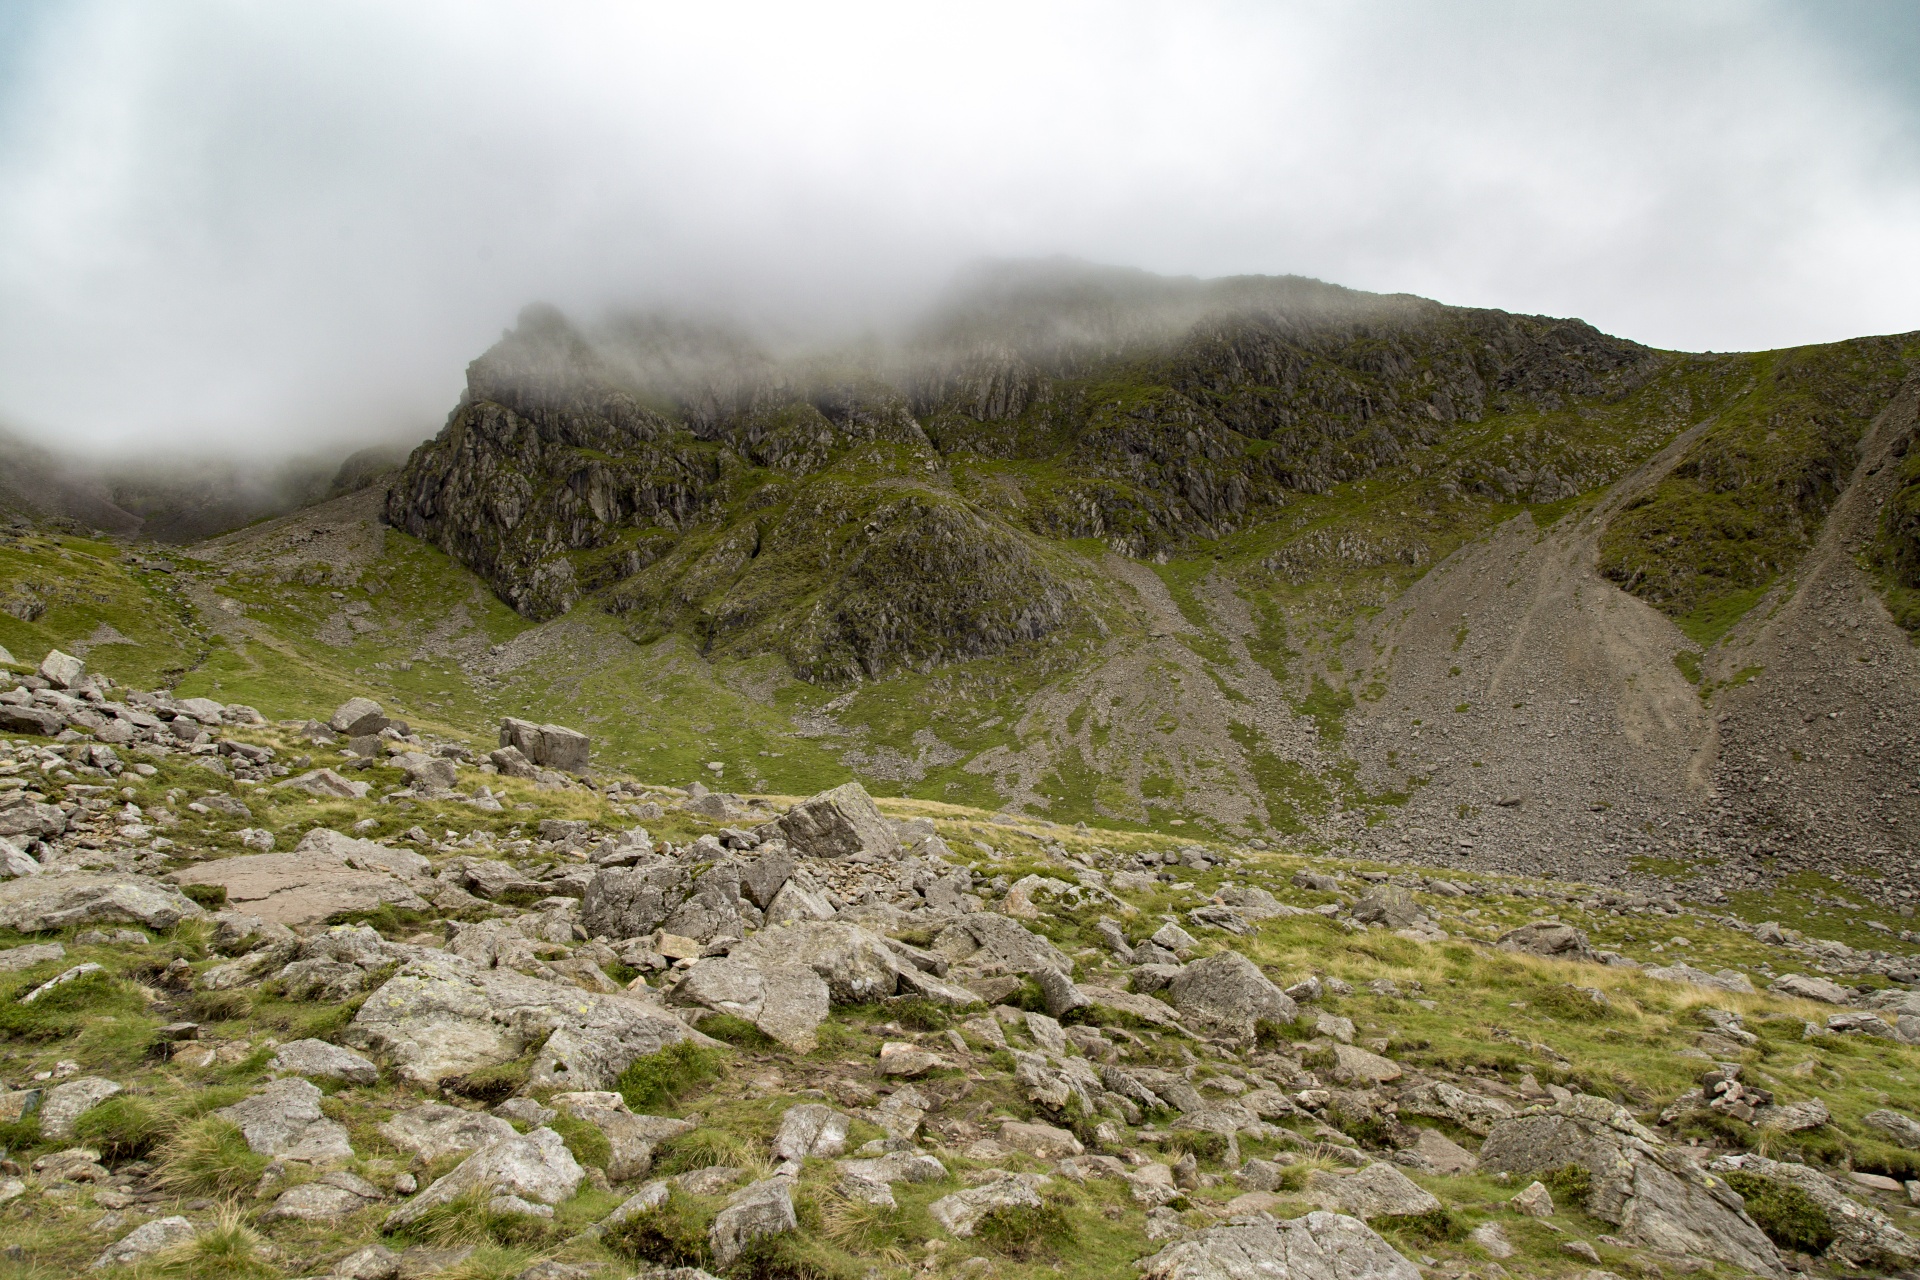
x=151, y=1237
x=317, y=1058
x=1379, y=1190
x=38, y=904
x=434, y=1130
x=1319, y=1246
x=442, y=1016
x=324, y=875
x=787, y=1001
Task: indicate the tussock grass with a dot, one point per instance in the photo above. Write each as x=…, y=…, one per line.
x=209, y=1156
x=227, y=1248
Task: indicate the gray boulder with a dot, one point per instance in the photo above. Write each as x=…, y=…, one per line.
x=961, y=1212
x=14, y=861
x=839, y=824
x=787, y=1001
x=533, y=1167
x=1863, y=1236
x=38, y=904
x=1389, y=906
x=800, y=898
x=1318, y=1246
x=1549, y=938
x=14, y=959
x=631, y=1138
x=25, y=819
x=1438, y=1100
x=1655, y=1199
x=1228, y=993
x=148, y=1238
x=39, y=721
x=358, y=718
x=550, y=746
x=1897, y=1128
x=983, y=940
x=1805, y=987
x=762, y=879
x=326, y=784
x=627, y=902
x=441, y=1016
x=434, y=1130
x=66, y=1103
x=810, y=1129
x=429, y=776
x=62, y=670
x=325, y=874
x=763, y=1209
x=857, y=965
x=284, y=1119
x=1379, y=1190
x=317, y=1058
x=332, y=1197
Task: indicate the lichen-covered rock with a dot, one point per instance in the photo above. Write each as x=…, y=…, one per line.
x=535, y=1166
x=1378, y=1190
x=628, y=902
x=856, y=964
x=763, y=1209
x=318, y=1059
x=788, y=1002
x=1318, y=1246
x=1228, y=993
x=326, y=874
x=960, y=1213
x=548, y=746
x=38, y=904
x=1438, y=1100
x=1655, y=1200
x=65, y=1103
x=284, y=1119
x=1549, y=938
x=1388, y=905
x=441, y=1016
x=148, y=1238
x=1863, y=1236
x=839, y=824
x=1898, y=1128
x=810, y=1129
x=983, y=939
x=434, y=1130
x=631, y=1138
x=1805, y=987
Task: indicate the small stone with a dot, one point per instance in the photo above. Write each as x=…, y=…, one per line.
x=1534, y=1200
x=898, y=1058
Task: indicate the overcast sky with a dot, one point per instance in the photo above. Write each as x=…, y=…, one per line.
x=267, y=226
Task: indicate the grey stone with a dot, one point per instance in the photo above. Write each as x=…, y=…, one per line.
x=1317, y=1246
x=38, y=904
x=1042, y=1141
x=326, y=1061
x=631, y=1138
x=1794, y=1118
x=1863, y=1236
x=811, y=1129
x=763, y=1209
x=896, y=1166
x=441, y=1016
x=428, y=775
x=839, y=824
x=330, y=1199
x=14, y=959
x=1390, y=906
x=800, y=898
x=325, y=874
x=148, y=1238
x=534, y=1167
x=1228, y=993
x=434, y=1130
x=1900, y=1129
x=14, y=861
x=960, y=1213
x=1061, y=995
x=284, y=1119
x=1353, y=1065
x=857, y=965
x=1655, y=1199
x=1442, y=1154
x=762, y=879
x=983, y=939
x=788, y=1002
x=549, y=746
x=1438, y=1100
x=62, y=670
x=66, y=1103
x=1173, y=938
x=623, y=902
x=1805, y=987
x=1549, y=938
x=357, y=717
x=326, y=784
x=1375, y=1191
x=375, y=1262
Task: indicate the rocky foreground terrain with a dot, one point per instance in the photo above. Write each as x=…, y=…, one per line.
x=345, y=997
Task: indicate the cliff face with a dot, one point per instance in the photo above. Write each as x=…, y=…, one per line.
x=855, y=515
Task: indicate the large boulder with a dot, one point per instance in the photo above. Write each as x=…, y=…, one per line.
x=810, y=1129
x=857, y=965
x=626, y=902
x=434, y=1130
x=961, y=1212
x=1549, y=938
x=763, y=1209
x=1318, y=1246
x=441, y=1016
x=1438, y=1100
x=284, y=1119
x=1389, y=906
x=550, y=746
x=317, y=1058
x=787, y=1001
x=533, y=1167
x=1228, y=994
x=358, y=718
x=326, y=874
x=326, y=784
x=1806, y=987
x=800, y=898
x=986, y=941
x=62, y=670
x=37, y=904
x=631, y=1138
x=1863, y=1237
x=40, y=721
x=1896, y=1127
x=1655, y=1199
x=839, y=824
x=1377, y=1191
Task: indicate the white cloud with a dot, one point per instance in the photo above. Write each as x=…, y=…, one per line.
x=261, y=226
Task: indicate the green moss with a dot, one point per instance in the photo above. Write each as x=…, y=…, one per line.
x=1791, y=1218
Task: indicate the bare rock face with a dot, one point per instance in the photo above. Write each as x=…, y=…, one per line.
x=434, y=1130
x=983, y=939
x=810, y=1129
x=1654, y=1199
x=1228, y=993
x=325, y=874
x=839, y=824
x=313, y=1058
x=1379, y=1190
x=36, y=904
x=549, y=746
x=1804, y=987
x=960, y=1213
x=1549, y=938
x=533, y=1167
x=442, y=1016
x=856, y=964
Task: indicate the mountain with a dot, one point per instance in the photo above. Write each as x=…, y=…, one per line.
x=1258, y=558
